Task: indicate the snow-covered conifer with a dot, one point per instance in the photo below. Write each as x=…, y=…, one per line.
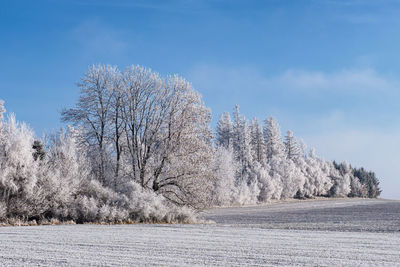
x=291, y=146
x=257, y=142
x=273, y=139
x=224, y=132
x=241, y=146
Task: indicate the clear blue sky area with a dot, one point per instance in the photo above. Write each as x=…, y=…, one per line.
x=328, y=70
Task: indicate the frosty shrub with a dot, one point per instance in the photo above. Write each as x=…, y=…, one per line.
x=62, y=186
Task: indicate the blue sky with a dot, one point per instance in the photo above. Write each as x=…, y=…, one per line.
x=328, y=70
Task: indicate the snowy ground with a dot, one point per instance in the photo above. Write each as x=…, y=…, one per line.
x=368, y=235
x=371, y=215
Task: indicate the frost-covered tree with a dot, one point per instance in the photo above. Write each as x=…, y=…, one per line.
x=224, y=131
x=168, y=135
x=324, y=182
x=291, y=146
x=145, y=128
x=224, y=171
x=2, y=110
x=242, y=147
x=116, y=133
x=247, y=193
x=257, y=141
x=18, y=168
x=292, y=179
x=275, y=154
x=275, y=172
x=356, y=188
x=185, y=152
x=266, y=183
x=318, y=176
x=145, y=108
x=273, y=139
x=93, y=113
x=66, y=172
x=342, y=180
x=369, y=181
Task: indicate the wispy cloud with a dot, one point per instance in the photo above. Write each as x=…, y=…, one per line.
x=233, y=80
x=360, y=80
x=348, y=80
x=97, y=38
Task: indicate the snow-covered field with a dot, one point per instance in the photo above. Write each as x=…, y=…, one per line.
x=368, y=235
x=370, y=215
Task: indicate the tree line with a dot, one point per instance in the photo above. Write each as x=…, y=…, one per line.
x=139, y=147
x=256, y=165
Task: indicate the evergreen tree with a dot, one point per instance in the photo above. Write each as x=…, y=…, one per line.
x=241, y=146
x=273, y=139
x=257, y=141
x=369, y=180
x=224, y=132
x=291, y=146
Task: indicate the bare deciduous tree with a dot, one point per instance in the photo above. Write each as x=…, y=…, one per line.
x=93, y=112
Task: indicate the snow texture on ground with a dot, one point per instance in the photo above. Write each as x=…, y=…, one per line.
x=240, y=237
